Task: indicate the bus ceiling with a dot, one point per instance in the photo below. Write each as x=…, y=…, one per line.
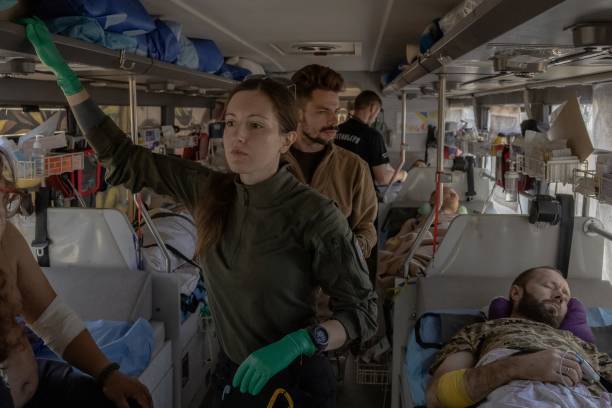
x=502, y=46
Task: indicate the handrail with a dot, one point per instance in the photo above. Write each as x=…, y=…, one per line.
x=417, y=242
x=156, y=235
x=137, y=199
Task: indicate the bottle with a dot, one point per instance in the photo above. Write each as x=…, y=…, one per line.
x=511, y=184
x=38, y=158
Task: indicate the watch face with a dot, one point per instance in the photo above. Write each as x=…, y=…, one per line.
x=321, y=336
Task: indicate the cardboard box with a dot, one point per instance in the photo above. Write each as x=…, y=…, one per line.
x=568, y=124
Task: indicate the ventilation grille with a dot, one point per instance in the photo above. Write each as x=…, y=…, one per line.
x=318, y=48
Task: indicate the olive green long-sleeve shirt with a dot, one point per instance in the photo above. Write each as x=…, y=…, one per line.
x=282, y=241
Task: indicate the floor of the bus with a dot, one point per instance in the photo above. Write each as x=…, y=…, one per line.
x=362, y=396
x=351, y=395
x=356, y=396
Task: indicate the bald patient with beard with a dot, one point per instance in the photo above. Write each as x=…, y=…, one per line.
x=524, y=360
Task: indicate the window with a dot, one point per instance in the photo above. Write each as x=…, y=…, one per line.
x=148, y=116
x=13, y=120
x=191, y=117
x=505, y=119
x=463, y=114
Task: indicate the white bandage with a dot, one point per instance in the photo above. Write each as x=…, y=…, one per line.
x=58, y=325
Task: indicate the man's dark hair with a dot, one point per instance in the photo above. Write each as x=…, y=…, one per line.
x=367, y=98
x=313, y=77
x=527, y=275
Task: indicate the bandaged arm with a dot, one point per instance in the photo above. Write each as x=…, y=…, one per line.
x=58, y=326
x=37, y=297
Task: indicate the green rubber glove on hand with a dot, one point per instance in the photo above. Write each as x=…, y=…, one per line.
x=40, y=37
x=263, y=364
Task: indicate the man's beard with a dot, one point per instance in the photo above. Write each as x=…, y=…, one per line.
x=536, y=310
x=319, y=140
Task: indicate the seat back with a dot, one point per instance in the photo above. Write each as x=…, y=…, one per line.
x=504, y=245
x=422, y=181
x=93, y=263
x=87, y=237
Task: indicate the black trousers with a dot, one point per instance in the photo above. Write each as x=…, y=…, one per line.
x=6, y=401
x=310, y=381
x=60, y=385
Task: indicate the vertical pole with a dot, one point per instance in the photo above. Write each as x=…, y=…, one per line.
x=440, y=158
x=441, y=128
x=133, y=109
x=404, y=119
x=527, y=103
x=586, y=204
x=402, y=148
x=136, y=203
x=133, y=94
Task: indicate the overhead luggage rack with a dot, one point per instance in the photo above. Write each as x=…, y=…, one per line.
x=488, y=21
x=107, y=66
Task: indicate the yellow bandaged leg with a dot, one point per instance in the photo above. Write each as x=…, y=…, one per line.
x=451, y=391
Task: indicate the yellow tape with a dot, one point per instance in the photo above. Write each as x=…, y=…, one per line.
x=451, y=390
x=276, y=394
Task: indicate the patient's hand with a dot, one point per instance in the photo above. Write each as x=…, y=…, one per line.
x=21, y=372
x=552, y=366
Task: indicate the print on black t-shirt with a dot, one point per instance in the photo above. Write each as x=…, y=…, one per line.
x=361, y=139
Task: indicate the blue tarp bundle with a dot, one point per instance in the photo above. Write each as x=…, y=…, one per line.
x=119, y=16
x=162, y=43
x=167, y=43
x=188, y=55
x=89, y=29
x=234, y=72
x=210, y=58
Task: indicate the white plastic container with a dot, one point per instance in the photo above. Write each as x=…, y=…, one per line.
x=38, y=157
x=511, y=186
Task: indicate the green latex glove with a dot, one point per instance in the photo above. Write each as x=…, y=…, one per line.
x=40, y=37
x=263, y=364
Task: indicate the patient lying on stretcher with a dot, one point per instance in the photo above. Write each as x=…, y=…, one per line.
x=396, y=249
x=523, y=360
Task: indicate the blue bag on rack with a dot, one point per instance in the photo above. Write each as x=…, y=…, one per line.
x=127, y=17
x=162, y=43
x=188, y=55
x=233, y=72
x=89, y=30
x=430, y=36
x=210, y=58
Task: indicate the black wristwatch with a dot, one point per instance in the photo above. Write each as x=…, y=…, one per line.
x=106, y=372
x=319, y=336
